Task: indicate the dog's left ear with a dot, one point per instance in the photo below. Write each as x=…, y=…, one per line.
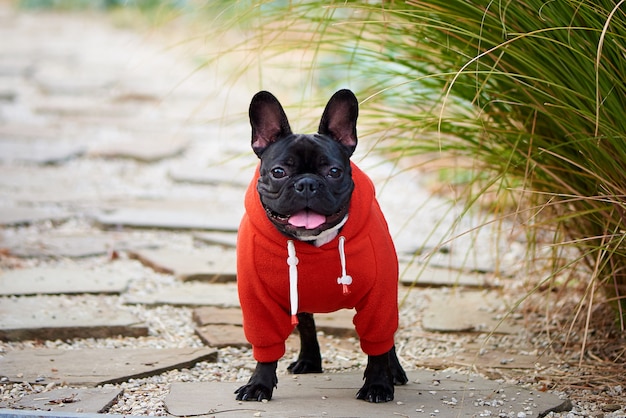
x=339, y=119
x=268, y=120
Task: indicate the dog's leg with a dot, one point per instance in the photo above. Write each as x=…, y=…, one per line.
x=397, y=372
x=309, y=359
x=379, y=378
x=261, y=384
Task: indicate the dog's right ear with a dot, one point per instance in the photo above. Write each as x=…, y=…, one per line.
x=269, y=121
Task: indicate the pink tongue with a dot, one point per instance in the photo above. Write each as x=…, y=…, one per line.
x=307, y=219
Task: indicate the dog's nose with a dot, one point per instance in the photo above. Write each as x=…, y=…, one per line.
x=306, y=186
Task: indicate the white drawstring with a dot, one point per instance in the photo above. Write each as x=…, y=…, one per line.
x=344, y=280
x=292, y=261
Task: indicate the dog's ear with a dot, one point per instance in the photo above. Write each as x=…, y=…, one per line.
x=268, y=120
x=339, y=119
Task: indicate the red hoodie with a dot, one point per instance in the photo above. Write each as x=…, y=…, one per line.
x=370, y=259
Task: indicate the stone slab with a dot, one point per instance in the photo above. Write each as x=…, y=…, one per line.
x=415, y=274
x=444, y=394
x=226, y=239
x=164, y=218
x=55, y=317
x=76, y=245
x=14, y=413
x=30, y=132
x=19, y=215
x=189, y=294
x=488, y=360
x=233, y=174
x=213, y=265
x=142, y=149
x=83, y=400
x=81, y=83
x=78, y=107
x=6, y=94
x=469, y=254
x=220, y=327
x=39, y=152
x=219, y=336
x=335, y=323
x=42, y=280
x=100, y=366
x=468, y=311
x=32, y=184
x=16, y=66
x=213, y=315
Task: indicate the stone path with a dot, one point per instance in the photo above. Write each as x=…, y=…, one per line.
x=428, y=394
x=122, y=172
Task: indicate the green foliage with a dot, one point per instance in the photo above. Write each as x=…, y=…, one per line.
x=533, y=90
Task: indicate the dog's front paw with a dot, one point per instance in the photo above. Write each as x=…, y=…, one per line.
x=379, y=381
x=254, y=392
x=261, y=384
x=376, y=392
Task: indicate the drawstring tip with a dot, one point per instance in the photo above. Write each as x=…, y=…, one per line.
x=344, y=280
x=294, y=320
x=346, y=290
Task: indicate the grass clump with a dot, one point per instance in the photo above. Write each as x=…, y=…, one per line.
x=531, y=91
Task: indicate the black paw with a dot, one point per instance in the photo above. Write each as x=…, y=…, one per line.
x=254, y=392
x=376, y=392
x=261, y=384
x=380, y=377
x=302, y=366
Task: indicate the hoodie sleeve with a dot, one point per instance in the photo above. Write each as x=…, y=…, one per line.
x=266, y=323
x=376, y=320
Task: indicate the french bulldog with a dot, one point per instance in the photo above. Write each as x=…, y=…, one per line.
x=314, y=240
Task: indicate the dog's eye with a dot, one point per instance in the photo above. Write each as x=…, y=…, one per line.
x=334, y=172
x=278, y=172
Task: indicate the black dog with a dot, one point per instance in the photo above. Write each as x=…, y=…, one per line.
x=314, y=240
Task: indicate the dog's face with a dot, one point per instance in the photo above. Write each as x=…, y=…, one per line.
x=305, y=180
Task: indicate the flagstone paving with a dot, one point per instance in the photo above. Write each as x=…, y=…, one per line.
x=490, y=359
x=55, y=317
x=470, y=311
x=83, y=400
x=122, y=176
x=173, y=215
x=73, y=245
x=39, y=152
x=15, y=215
x=213, y=264
x=220, y=327
x=189, y=294
x=219, y=336
x=93, y=367
x=422, y=275
x=226, y=239
x=434, y=394
x=42, y=280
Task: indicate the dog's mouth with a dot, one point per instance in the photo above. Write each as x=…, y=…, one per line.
x=307, y=218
